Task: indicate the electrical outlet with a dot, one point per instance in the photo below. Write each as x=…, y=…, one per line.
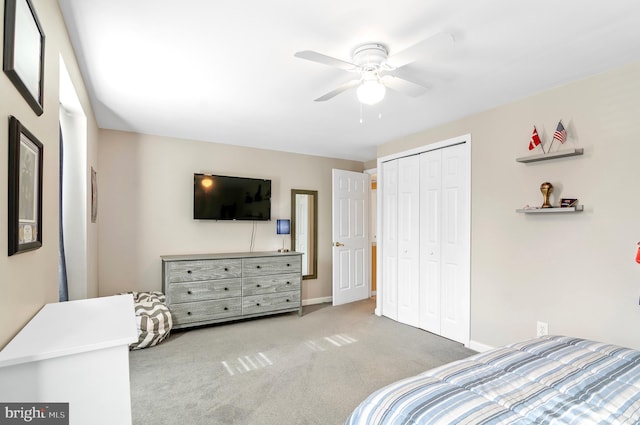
x=542, y=329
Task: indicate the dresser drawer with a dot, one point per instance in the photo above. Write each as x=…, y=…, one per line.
x=187, y=271
x=270, y=302
x=203, y=311
x=261, y=266
x=204, y=290
x=270, y=284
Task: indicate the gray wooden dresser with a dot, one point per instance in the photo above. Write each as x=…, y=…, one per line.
x=211, y=288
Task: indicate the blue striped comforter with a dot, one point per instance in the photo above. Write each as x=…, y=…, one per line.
x=548, y=380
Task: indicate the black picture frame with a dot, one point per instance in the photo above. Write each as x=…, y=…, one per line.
x=23, y=60
x=94, y=195
x=25, y=189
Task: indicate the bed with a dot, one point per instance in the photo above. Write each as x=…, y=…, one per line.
x=547, y=380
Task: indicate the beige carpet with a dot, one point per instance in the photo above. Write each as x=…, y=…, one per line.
x=280, y=370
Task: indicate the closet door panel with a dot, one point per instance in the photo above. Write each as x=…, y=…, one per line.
x=455, y=250
x=409, y=240
x=430, y=240
x=389, y=189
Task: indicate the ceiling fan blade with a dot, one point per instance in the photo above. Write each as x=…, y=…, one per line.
x=344, y=87
x=420, y=50
x=406, y=73
x=404, y=86
x=325, y=60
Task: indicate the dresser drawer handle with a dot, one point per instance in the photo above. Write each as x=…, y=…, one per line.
x=226, y=308
x=189, y=292
x=257, y=304
x=226, y=269
x=258, y=285
x=287, y=299
x=288, y=265
x=288, y=283
x=188, y=271
x=188, y=313
x=226, y=289
x=257, y=267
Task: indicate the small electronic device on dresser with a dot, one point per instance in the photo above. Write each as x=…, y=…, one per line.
x=212, y=288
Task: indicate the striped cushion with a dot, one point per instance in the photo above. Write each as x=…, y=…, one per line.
x=153, y=318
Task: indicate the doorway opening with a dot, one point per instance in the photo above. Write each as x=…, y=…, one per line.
x=73, y=198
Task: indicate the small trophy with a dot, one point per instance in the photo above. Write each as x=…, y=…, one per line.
x=546, y=188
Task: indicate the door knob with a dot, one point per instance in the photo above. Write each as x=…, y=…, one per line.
x=339, y=244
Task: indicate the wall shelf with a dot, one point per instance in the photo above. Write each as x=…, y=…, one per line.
x=577, y=208
x=552, y=155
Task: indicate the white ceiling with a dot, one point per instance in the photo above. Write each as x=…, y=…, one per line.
x=224, y=71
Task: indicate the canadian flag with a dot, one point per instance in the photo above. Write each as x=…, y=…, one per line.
x=535, y=140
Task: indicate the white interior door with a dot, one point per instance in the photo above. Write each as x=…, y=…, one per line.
x=350, y=205
x=409, y=240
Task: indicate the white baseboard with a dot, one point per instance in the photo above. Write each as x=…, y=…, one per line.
x=312, y=301
x=479, y=347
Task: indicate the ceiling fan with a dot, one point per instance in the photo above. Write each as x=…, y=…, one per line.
x=377, y=70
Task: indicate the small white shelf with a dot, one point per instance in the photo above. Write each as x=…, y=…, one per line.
x=552, y=155
x=577, y=208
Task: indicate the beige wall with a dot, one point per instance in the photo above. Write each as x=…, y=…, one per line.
x=146, y=205
x=29, y=280
x=575, y=271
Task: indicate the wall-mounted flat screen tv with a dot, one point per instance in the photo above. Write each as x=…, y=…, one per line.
x=231, y=198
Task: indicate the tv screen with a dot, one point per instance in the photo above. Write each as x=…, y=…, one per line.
x=231, y=198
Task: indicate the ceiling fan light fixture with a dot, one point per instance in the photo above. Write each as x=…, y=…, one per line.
x=371, y=91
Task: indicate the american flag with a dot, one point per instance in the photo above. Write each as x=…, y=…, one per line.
x=560, y=133
x=535, y=140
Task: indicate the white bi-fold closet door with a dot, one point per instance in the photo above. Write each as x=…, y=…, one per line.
x=425, y=241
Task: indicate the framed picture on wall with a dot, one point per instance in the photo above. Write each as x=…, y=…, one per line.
x=25, y=189
x=24, y=51
x=94, y=195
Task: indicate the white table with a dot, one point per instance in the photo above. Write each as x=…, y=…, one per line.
x=74, y=352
